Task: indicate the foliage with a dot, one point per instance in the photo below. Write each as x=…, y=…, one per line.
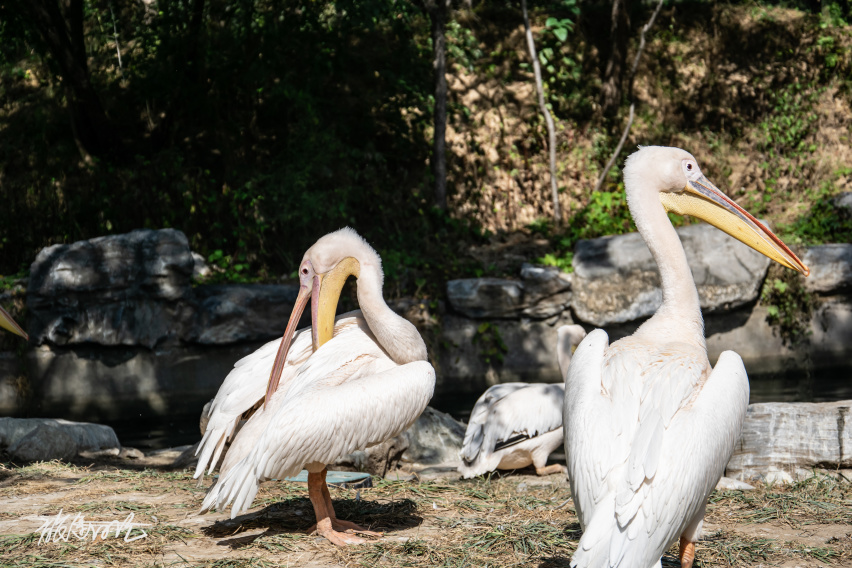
x=789, y=306
x=605, y=214
x=490, y=342
x=824, y=222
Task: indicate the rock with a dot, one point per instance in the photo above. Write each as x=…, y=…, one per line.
x=86, y=436
x=130, y=454
x=45, y=442
x=120, y=384
x=831, y=268
x=529, y=356
x=542, y=292
x=728, y=484
x=547, y=291
x=233, y=313
x=434, y=439
x=117, y=290
x=843, y=203
x=785, y=441
x=616, y=279
x=485, y=297
x=378, y=460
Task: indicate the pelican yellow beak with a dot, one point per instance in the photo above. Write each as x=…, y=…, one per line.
x=702, y=199
x=7, y=323
x=324, y=292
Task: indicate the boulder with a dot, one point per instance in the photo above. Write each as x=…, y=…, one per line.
x=542, y=292
x=125, y=289
x=843, y=203
x=377, y=460
x=233, y=313
x=784, y=441
x=616, y=280
x=43, y=439
x=44, y=443
x=471, y=360
x=831, y=268
x=435, y=438
x=486, y=297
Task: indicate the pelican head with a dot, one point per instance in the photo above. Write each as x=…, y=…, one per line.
x=684, y=190
x=322, y=274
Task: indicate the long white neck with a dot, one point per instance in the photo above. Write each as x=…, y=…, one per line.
x=395, y=334
x=679, y=317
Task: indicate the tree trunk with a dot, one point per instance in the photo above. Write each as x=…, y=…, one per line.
x=438, y=15
x=548, y=119
x=93, y=131
x=613, y=79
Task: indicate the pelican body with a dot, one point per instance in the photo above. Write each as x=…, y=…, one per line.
x=343, y=384
x=649, y=424
x=514, y=425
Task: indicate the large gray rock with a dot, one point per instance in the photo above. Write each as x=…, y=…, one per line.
x=39, y=439
x=616, y=280
x=542, y=292
x=792, y=439
x=119, y=384
x=471, y=360
x=831, y=268
x=434, y=439
x=232, y=313
x=44, y=443
x=117, y=290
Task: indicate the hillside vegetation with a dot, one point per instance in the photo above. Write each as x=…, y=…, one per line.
x=255, y=126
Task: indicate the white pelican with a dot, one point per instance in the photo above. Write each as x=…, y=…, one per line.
x=7, y=323
x=514, y=425
x=344, y=385
x=649, y=425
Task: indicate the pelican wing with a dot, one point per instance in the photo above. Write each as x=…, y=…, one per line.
x=349, y=395
x=475, y=433
x=245, y=386
x=523, y=411
x=669, y=430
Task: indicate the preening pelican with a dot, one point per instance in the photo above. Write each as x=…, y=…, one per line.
x=7, y=323
x=336, y=387
x=514, y=425
x=649, y=425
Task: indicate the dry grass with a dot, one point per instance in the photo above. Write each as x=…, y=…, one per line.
x=502, y=521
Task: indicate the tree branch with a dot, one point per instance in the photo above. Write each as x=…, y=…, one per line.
x=633, y=69
x=551, y=133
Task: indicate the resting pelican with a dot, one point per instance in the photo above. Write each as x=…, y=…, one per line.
x=514, y=425
x=336, y=387
x=649, y=425
x=7, y=323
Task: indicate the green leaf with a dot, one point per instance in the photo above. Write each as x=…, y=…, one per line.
x=561, y=33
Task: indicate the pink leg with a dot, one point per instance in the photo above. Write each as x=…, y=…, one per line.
x=551, y=469
x=328, y=525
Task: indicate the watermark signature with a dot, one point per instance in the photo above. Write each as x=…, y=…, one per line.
x=64, y=527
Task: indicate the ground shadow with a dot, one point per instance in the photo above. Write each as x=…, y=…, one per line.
x=296, y=515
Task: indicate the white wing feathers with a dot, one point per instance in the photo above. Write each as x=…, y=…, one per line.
x=475, y=433
x=317, y=423
x=245, y=386
x=505, y=412
x=644, y=449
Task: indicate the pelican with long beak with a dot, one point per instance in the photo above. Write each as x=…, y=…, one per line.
x=319, y=393
x=649, y=424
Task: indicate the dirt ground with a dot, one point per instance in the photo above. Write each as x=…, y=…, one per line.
x=510, y=520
